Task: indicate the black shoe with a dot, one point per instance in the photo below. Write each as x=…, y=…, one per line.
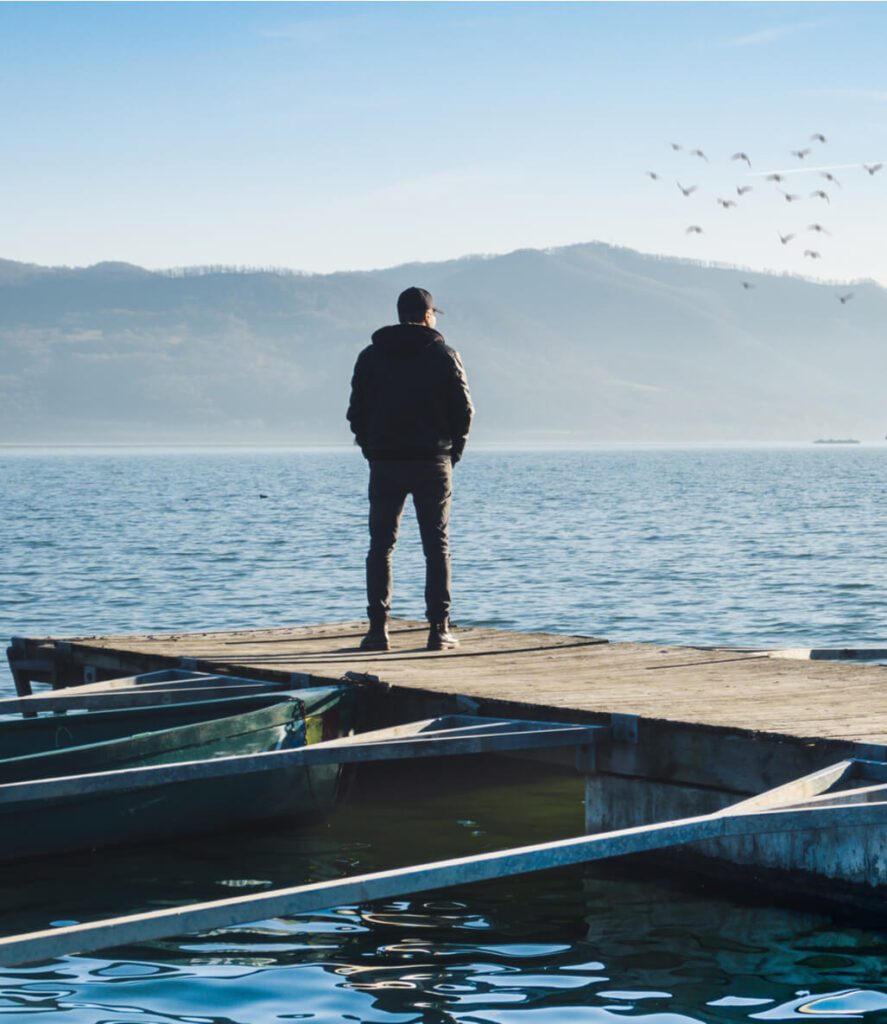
x=440, y=638
x=376, y=638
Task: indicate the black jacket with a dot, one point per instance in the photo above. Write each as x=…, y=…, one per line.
x=409, y=396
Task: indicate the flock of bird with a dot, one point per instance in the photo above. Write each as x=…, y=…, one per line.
x=778, y=178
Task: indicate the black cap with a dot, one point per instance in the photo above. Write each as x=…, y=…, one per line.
x=413, y=304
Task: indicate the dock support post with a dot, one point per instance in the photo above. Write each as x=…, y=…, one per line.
x=15, y=655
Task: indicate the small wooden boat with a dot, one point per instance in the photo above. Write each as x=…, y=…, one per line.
x=77, y=727
x=60, y=745
x=103, y=742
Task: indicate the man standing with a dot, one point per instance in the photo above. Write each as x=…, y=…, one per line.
x=410, y=412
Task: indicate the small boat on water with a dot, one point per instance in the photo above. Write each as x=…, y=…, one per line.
x=60, y=745
x=90, y=744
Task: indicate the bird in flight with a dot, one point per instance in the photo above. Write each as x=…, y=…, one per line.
x=727, y=203
x=693, y=229
x=774, y=177
x=818, y=228
x=742, y=189
x=699, y=153
x=830, y=177
x=689, y=190
x=817, y=138
x=790, y=197
x=844, y=299
x=812, y=254
x=675, y=146
x=785, y=239
x=801, y=153
x=873, y=168
x=652, y=174
x=741, y=156
x=746, y=285
x=819, y=194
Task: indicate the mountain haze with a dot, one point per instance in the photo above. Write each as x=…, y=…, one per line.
x=584, y=343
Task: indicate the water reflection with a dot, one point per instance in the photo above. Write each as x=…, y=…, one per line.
x=853, y=1003
x=566, y=946
x=371, y=964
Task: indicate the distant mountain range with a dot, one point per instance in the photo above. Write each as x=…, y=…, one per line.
x=584, y=343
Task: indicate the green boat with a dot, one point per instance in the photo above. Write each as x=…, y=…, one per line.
x=109, y=741
x=43, y=734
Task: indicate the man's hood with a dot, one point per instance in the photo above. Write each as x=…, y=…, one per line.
x=403, y=341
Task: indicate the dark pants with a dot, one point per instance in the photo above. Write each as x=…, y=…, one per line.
x=431, y=485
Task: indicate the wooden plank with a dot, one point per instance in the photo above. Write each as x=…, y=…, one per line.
x=226, y=913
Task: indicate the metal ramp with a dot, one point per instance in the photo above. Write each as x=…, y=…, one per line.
x=848, y=794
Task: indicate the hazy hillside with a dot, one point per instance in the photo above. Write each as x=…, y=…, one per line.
x=582, y=343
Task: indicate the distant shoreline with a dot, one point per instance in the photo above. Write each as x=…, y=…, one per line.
x=480, y=446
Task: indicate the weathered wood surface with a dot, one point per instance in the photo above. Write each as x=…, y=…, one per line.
x=743, y=691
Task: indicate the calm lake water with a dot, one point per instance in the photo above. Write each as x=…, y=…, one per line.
x=766, y=546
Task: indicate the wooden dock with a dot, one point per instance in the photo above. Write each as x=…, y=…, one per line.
x=742, y=721
x=689, y=730
x=746, y=691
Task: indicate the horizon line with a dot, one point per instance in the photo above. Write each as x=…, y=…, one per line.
x=516, y=445
x=203, y=270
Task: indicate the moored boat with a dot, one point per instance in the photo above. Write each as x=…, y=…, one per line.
x=165, y=735
x=97, y=741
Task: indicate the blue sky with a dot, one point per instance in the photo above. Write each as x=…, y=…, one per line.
x=358, y=135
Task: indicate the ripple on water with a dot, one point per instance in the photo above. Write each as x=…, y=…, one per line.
x=850, y=1004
